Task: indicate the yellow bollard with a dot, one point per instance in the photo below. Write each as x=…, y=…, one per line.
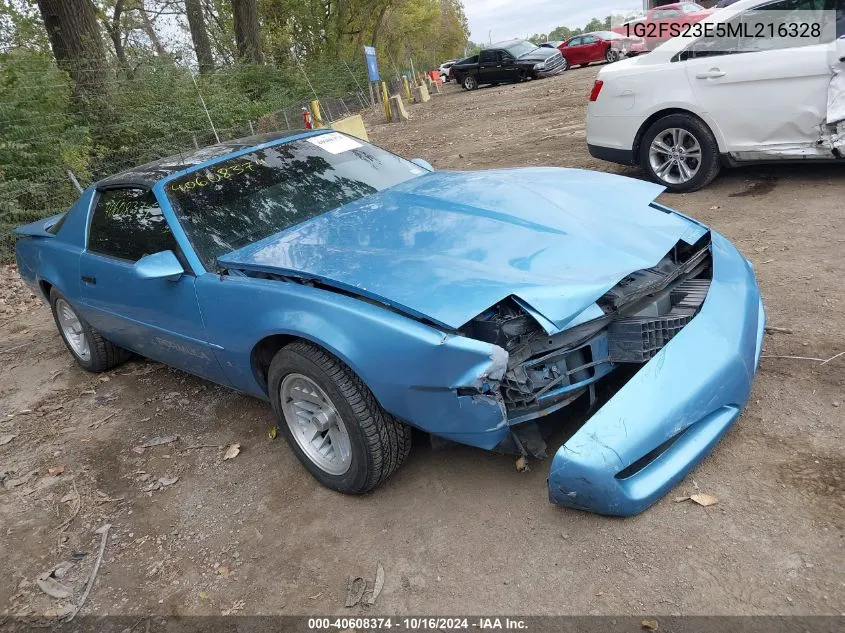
x=407, y=88
x=316, y=114
x=386, y=101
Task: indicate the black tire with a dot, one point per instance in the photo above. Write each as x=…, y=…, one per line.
x=612, y=55
x=709, y=166
x=582, y=65
x=103, y=355
x=470, y=82
x=379, y=442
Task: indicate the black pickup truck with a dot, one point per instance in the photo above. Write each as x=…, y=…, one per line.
x=510, y=61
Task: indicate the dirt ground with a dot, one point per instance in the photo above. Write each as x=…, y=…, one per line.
x=458, y=531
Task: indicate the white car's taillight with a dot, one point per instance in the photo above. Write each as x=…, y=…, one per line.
x=594, y=95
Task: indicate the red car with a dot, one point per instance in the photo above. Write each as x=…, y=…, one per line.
x=665, y=22
x=599, y=46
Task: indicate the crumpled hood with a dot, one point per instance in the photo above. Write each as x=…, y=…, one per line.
x=448, y=245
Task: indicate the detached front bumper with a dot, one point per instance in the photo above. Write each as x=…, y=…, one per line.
x=550, y=72
x=669, y=416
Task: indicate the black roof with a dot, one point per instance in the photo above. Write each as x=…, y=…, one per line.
x=149, y=174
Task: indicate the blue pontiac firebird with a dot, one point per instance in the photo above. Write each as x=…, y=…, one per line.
x=364, y=295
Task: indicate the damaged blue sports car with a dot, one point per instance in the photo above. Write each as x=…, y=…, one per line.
x=364, y=295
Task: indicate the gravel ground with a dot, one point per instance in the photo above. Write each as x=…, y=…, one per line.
x=457, y=530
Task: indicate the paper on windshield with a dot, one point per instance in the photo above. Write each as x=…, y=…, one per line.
x=334, y=143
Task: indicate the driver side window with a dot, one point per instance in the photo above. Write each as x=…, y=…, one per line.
x=127, y=224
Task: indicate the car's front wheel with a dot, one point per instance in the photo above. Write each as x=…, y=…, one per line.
x=333, y=422
x=680, y=152
x=470, y=82
x=91, y=351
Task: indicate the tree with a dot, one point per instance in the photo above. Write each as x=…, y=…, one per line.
x=149, y=29
x=75, y=39
x=114, y=27
x=199, y=35
x=247, y=31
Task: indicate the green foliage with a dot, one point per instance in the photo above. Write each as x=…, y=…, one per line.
x=39, y=141
x=154, y=112
x=149, y=104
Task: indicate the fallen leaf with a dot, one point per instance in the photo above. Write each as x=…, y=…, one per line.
x=377, y=586
x=55, y=471
x=521, y=465
x=273, y=432
x=61, y=610
x=681, y=499
x=167, y=481
x=704, y=499
x=355, y=588
x=14, y=483
x=223, y=571
x=5, y=439
x=159, y=441
x=237, y=606
x=232, y=452
x=61, y=570
x=53, y=587
x=203, y=595
x=649, y=625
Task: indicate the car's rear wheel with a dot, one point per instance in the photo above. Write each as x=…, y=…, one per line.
x=470, y=82
x=91, y=351
x=612, y=55
x=680, y=152
x=333, y=422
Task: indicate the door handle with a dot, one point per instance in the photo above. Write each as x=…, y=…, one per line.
x=89, y=279
x=713, y=73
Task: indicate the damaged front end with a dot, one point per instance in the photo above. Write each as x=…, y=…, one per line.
x=635, y=320
x=687, y=332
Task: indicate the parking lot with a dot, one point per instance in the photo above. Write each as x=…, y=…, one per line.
x=458, y=531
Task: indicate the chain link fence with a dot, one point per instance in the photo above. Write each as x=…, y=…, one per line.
x=154, y=111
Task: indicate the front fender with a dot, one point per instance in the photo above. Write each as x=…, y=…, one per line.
x=414, y=370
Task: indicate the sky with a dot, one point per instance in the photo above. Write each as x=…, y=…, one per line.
x=522, y=18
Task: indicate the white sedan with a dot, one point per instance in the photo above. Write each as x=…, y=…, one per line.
x=693, y=105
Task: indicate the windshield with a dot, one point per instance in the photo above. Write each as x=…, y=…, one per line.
x=520, y=48
x=691, y=8
x=243, y=200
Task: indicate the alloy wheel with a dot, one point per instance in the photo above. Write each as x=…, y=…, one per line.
x=675, y=156
x=315, y=424
x=72, y=330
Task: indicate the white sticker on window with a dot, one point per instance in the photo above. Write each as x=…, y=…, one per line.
x=334, y=143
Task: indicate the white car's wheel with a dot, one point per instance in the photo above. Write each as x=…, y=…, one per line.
x=680, y=152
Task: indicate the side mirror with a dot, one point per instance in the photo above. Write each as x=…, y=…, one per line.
x=419, y=162
x=163, y=265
